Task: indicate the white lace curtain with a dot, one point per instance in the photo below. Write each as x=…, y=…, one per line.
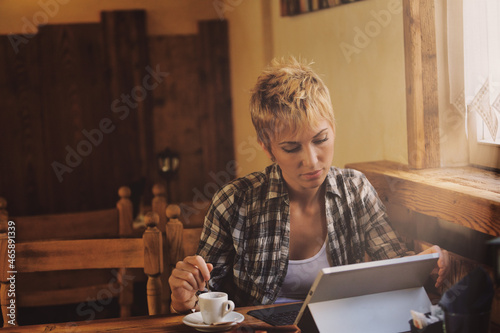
x=479, y=87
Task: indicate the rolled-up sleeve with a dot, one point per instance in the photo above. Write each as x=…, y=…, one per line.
x=381, y=240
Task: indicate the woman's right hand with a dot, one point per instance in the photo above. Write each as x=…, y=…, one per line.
x=188, y=277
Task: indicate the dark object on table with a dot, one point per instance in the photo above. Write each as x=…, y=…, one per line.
x=467, y=304
x=278, y=316
x=432, y=328
x=266, y=329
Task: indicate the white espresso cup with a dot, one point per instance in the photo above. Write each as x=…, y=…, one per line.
x=214, y=306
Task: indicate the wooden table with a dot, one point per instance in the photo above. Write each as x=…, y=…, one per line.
x=146, y=324
x=161, y=323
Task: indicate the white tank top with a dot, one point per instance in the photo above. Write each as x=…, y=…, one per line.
x=301, y=275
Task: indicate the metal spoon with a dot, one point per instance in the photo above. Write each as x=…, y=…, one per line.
x=198, y=293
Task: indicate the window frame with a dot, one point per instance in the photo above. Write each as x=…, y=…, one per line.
x=422, y=109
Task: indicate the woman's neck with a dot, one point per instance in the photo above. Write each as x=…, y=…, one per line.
x=307, y=197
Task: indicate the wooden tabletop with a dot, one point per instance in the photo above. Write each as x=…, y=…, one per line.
x=162, y=323
x=146, y=324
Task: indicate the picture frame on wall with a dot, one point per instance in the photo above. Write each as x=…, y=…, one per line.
x=297, y=7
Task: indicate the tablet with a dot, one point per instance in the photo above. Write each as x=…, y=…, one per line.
x=374, y=296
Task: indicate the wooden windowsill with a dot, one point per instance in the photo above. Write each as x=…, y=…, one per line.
x=466, y=196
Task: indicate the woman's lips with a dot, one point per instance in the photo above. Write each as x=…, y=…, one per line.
x=312, y=175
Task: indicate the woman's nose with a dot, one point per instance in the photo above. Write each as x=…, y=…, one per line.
x=310, y=157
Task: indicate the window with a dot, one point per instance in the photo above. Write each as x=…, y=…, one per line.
x=481, y=33
x=474, y=69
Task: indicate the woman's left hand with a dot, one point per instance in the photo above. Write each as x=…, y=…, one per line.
x=443, y=264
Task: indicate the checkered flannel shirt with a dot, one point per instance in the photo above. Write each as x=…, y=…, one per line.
x=247, y=228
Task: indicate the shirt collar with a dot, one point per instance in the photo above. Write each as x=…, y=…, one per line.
x=331, y=182
x=277, y=188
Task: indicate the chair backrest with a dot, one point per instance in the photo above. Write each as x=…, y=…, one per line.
x=83, y=254
x=159, y=204
x=182, y=235
x=181, y=225
x=107, y=223
x=191, y=217
x=72, y=287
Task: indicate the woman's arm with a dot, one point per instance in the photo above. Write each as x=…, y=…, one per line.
x=193, y=273
x=443, y=264
x=188, y=277
x=386, y=239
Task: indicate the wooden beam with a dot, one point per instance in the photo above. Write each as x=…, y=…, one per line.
x=465, y=196
x=421, y=84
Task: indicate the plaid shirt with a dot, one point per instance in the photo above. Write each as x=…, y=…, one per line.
x=247, y=229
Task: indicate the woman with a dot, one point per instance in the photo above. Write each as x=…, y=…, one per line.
x=266, y=235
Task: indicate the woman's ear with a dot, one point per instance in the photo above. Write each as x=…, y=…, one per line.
x=268, y=153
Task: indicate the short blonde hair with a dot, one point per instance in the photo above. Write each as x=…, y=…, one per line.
x=288, y=96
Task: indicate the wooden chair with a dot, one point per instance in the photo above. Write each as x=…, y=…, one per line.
x=182, y=235
x=181, y=225
x=74, y=287
x=191, y=214
x=159, y=204
x=107, y=223
x=83, y=254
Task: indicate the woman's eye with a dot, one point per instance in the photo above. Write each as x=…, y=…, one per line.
x=291, y=150
x=321, y=141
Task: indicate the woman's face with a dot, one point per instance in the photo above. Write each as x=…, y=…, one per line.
x=304, y=157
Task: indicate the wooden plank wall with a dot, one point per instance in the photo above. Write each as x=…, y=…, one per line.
x=69, y=99
x=52, y=102
x=127, y=56
x=177, y=109
x=73, y=78
x=192, y=109
x=74, y=99
x=21, y=124
x=216, y=107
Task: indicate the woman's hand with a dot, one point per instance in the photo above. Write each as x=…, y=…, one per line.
x=443, y=264
x=188, y=277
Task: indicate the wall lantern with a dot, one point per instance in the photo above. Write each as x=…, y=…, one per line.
x=168, y=163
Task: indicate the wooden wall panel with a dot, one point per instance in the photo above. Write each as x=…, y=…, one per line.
x=193, y=111
x=215, y=99
x=74, y=101
x=177, y=123
x=131, y=77
x=78, y=109
x=21, y=143
x=60, y=115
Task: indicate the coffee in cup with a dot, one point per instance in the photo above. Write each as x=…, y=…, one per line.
x=214, y=306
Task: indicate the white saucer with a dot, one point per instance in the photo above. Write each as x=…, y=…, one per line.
x=195, y=320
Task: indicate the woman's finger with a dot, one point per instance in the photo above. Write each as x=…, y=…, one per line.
x=189, y=273
x=201, y=265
